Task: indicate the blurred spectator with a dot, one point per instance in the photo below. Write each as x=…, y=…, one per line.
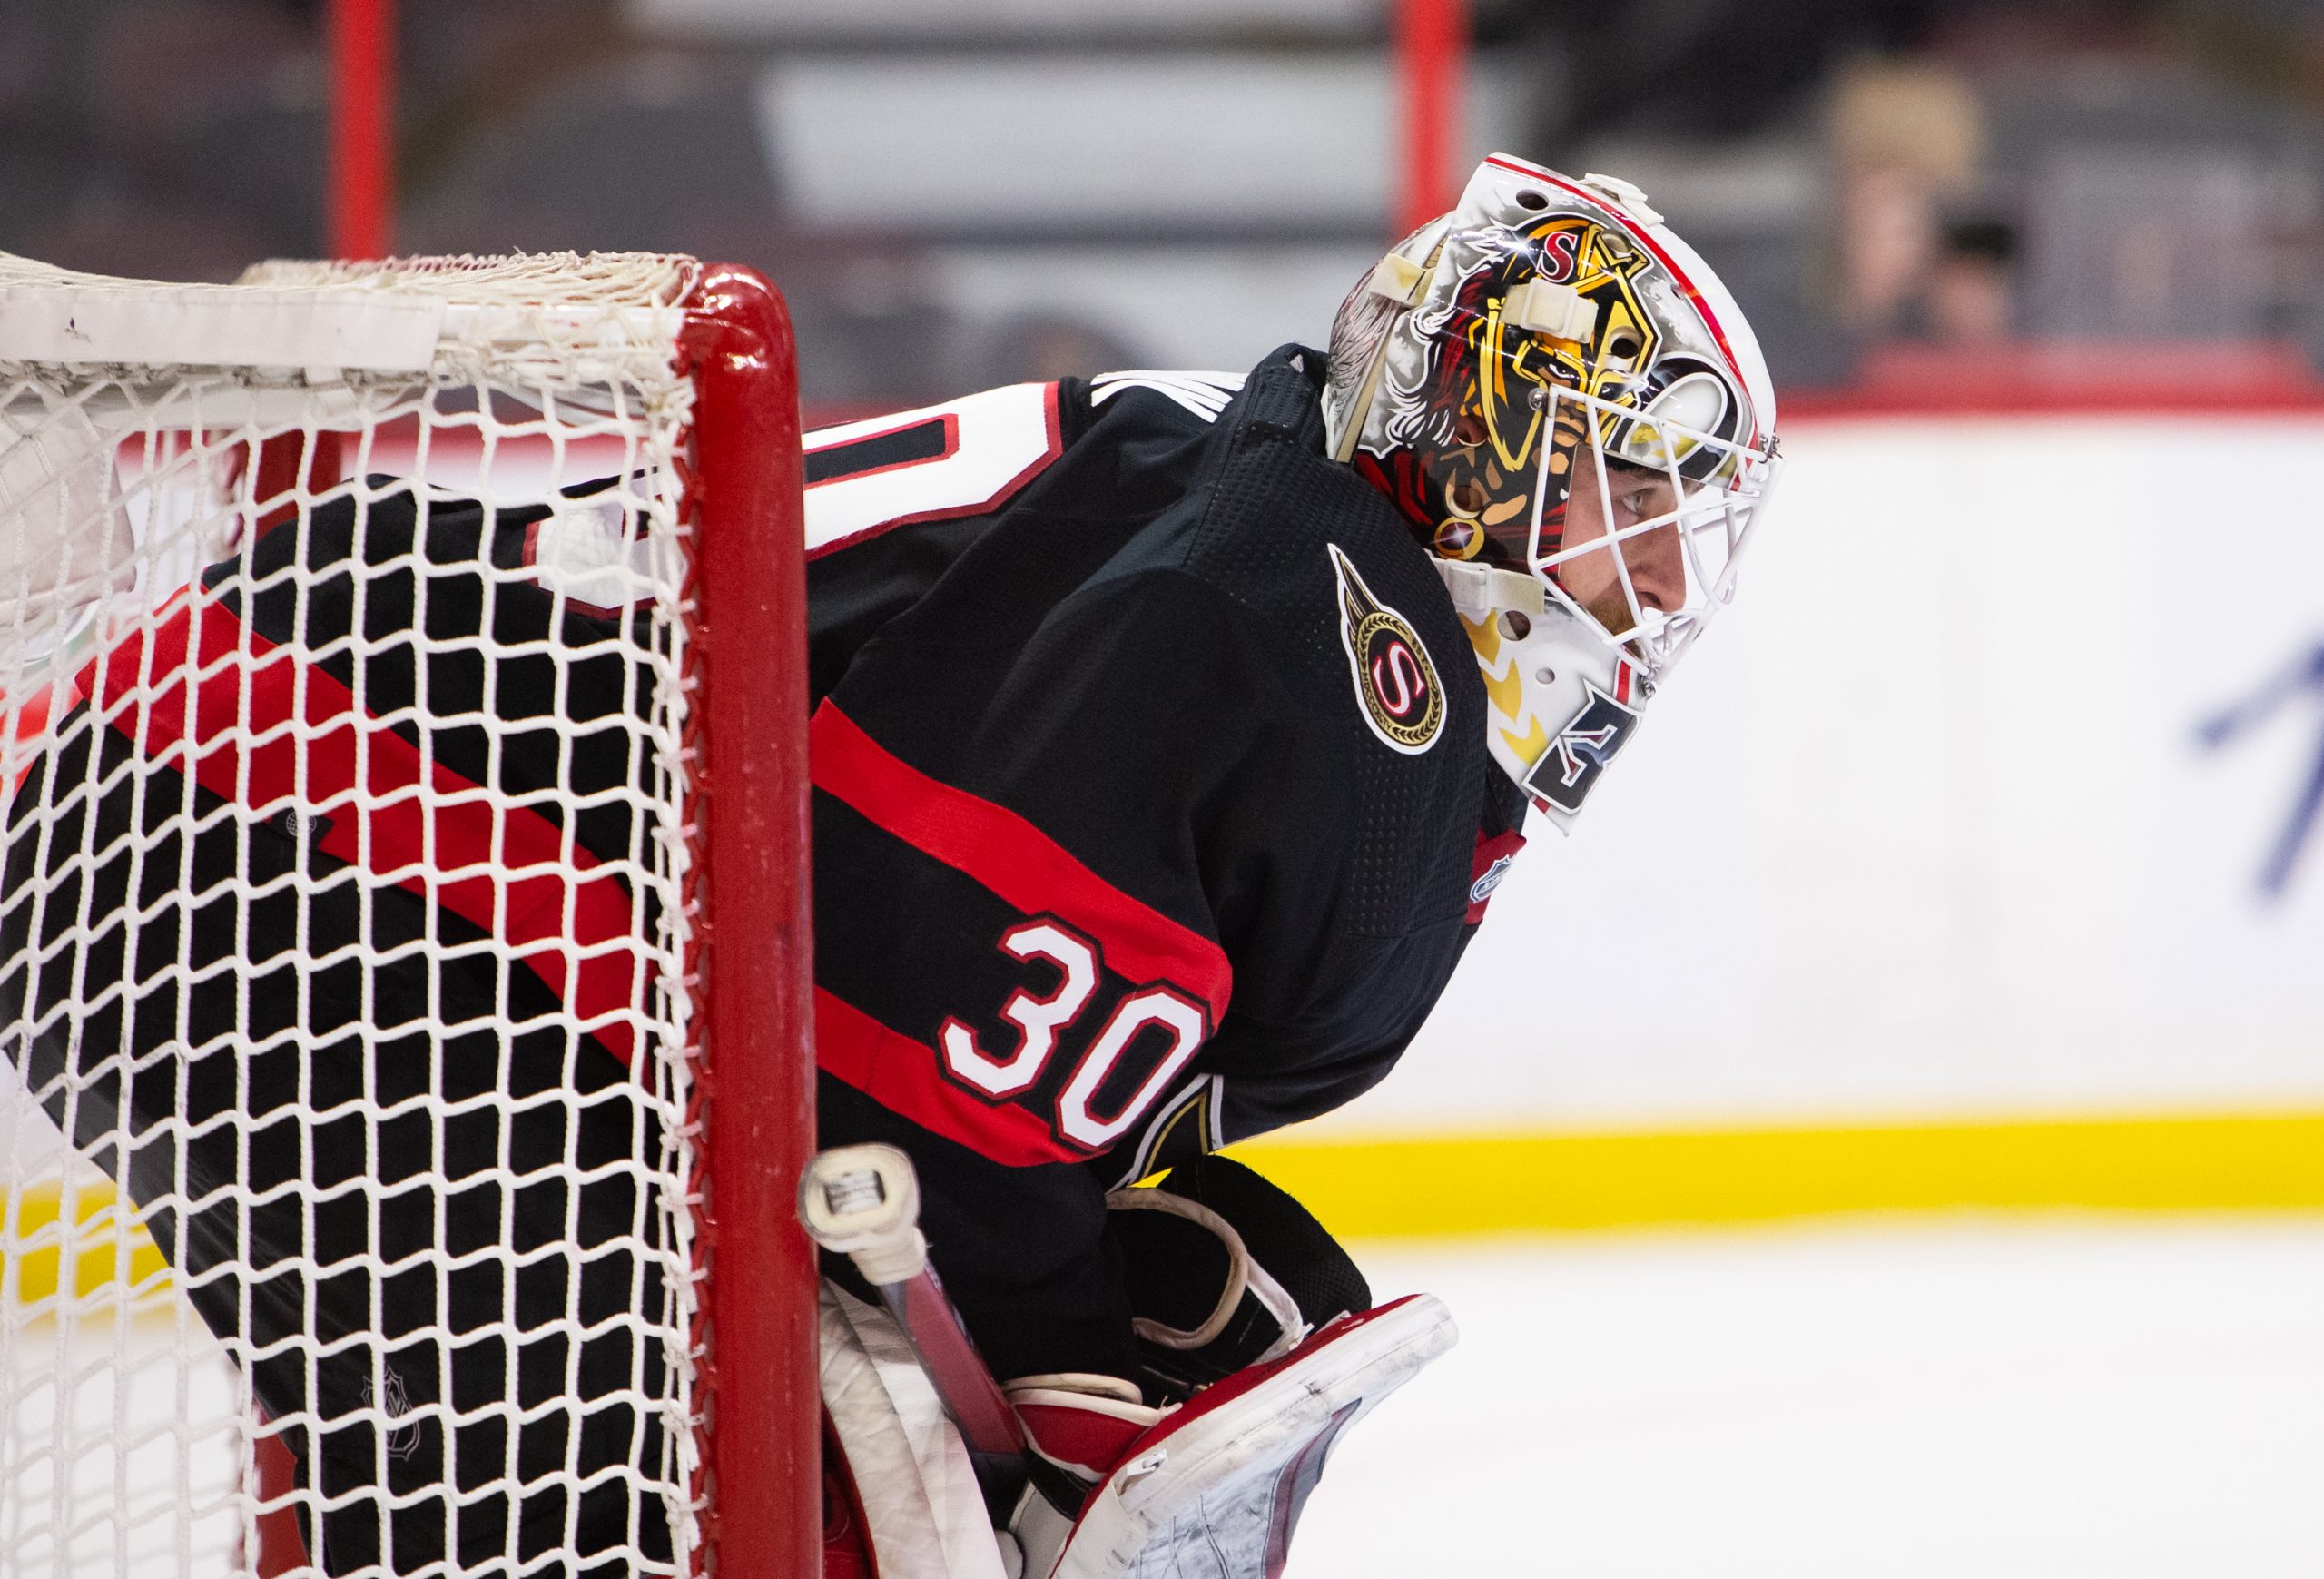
x=2160, y=167
x=1971, y=298
x=1907, y=137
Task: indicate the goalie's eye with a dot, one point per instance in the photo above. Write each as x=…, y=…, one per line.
x=1637, y=495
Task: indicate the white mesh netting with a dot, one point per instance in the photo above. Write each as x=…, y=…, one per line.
x=345, y=1133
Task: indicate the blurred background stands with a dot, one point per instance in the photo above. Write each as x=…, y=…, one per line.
x=956, y=196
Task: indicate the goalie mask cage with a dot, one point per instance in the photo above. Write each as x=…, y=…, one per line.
x=403, y=943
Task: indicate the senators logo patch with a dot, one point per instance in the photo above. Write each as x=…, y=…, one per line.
x=1394, y=681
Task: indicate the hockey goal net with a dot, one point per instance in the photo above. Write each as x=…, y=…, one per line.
x=402, y=930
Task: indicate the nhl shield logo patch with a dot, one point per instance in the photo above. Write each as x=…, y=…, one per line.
x=1395, y=682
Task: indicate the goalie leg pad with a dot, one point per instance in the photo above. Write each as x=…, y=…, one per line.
x=923, y=1515
x=1213, y=1490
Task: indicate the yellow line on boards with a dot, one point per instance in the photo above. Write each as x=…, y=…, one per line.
x=36, y=1232
x=1445, y=1185
x=1432, y=1186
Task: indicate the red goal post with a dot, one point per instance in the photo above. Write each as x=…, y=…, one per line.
x=357, y=954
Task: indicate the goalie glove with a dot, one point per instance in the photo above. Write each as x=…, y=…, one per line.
x=1223, y=1270
x=1211, y=1490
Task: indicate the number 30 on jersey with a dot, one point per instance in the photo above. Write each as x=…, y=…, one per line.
x=1036, y=1019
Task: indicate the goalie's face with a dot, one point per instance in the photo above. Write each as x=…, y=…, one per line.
x=1544, y=410
x=1617, y=565
x=1637, y=522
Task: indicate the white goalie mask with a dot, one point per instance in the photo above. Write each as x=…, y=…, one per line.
x=1572, y=414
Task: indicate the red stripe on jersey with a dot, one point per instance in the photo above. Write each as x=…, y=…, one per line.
x=1022, y=864
x=266, y=726
x=901, y=1076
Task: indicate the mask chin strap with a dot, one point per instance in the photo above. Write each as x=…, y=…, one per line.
x=1479, y=590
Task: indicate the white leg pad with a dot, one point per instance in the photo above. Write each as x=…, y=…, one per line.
x=1212, y=1491
x=921, y=1508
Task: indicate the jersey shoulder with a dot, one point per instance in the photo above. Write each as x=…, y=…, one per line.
x=1152, y=393
x=975, y=454
x=1327, y=563
x=966, y=457
x=1362, y=626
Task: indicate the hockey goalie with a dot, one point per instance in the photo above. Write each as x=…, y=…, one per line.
x=1170, y=735
x=1168, y=750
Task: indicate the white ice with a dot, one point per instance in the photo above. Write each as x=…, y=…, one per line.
x=1962, y=1399
x=120, y=1451
x=1970, y=1399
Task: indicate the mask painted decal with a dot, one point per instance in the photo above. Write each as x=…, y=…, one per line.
x=1395, y=682
x=1580, y=751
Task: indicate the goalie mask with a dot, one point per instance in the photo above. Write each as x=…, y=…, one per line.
x=1570, y=409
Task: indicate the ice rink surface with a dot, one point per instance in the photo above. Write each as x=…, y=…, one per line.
x=1958, y=1399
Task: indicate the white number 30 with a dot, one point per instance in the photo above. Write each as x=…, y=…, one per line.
x=1039, y=1019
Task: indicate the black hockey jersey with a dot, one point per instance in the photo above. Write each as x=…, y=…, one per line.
x=1152, y=801
x=1152, y=805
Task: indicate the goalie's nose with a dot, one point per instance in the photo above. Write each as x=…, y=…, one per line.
x=1658, y=568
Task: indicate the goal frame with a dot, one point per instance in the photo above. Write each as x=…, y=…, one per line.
x=755, y=1055
x=748, y=948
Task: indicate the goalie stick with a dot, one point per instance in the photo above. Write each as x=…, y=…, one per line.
x=863, y=1202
